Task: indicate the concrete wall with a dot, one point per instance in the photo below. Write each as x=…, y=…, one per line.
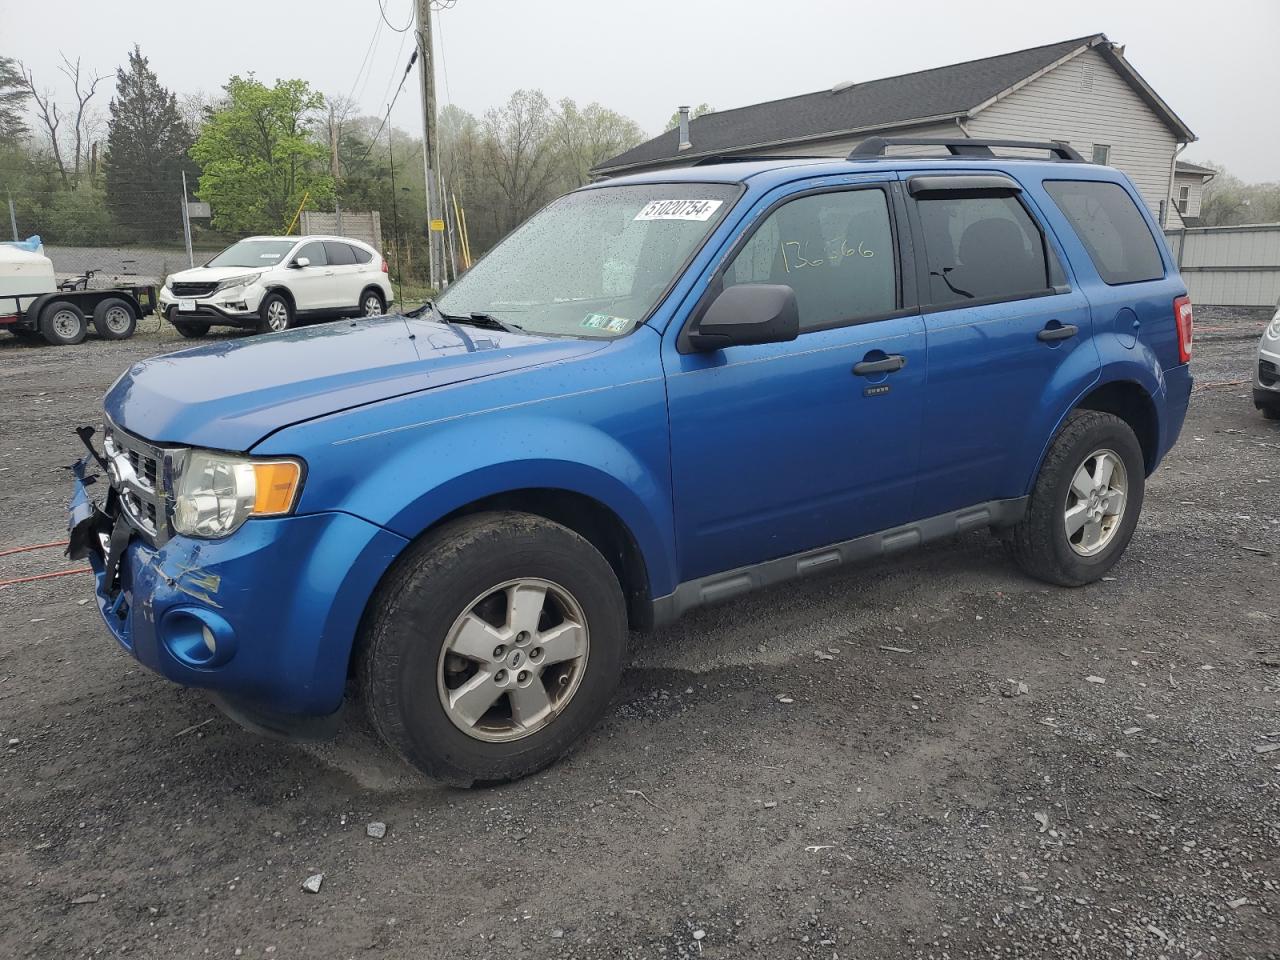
x=1230, y=266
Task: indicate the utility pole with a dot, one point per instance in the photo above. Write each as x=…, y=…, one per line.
x=430, y=150
x=13, y=219
x=186, y=221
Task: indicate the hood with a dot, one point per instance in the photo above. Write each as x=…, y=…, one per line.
x=229, y=396
x=214, y=274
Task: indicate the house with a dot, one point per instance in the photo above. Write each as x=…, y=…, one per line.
x=1080, y=91
x=1188, y=190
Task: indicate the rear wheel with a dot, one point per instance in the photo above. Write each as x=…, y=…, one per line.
x=62, y=323
x=492, y=648
x=1085, y=504
x=1270, y=412
x=115, y=319
x=275, y=313
x=372, y=304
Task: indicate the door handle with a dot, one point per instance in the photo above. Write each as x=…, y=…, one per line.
x=890, y=364
x=1062, y=332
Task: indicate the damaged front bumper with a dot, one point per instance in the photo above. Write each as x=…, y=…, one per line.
x=265, y=618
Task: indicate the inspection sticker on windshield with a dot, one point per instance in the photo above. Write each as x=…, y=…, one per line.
x=679, y=209
x=606, y=322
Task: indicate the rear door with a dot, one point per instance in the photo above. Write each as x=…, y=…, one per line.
x=1009, y=338
x=783, y=447
x=347, y=282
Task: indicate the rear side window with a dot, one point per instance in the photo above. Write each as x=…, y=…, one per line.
x=361, y=254
x=835, y=250
x=339, y=254
x=1109, y=225
x=982, y=247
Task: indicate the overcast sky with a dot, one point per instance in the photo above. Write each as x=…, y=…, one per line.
x=1216, y=64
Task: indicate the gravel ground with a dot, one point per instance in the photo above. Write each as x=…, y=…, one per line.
x=834, y=769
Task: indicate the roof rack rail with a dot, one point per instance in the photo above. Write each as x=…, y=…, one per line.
x=963, y=147
x=747, y=158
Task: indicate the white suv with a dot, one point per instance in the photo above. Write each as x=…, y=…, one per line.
x=271, y=283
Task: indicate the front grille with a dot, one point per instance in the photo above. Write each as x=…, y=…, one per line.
x=137, y=473
x=1268, y=373
x=193, y=289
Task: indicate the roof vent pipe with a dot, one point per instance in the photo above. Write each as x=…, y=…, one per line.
x=684, y=129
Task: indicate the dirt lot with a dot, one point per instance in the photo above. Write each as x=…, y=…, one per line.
x=824, y=770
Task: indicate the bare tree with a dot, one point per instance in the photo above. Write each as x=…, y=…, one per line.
x=520, y=147
x=338, y=109
x=81, y=119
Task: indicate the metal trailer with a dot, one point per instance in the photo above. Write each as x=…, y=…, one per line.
x=63, y=316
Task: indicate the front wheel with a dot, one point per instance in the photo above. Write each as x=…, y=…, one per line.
x=492, y=648
x=115, y=319
x=275, y=314
x=1085, y=504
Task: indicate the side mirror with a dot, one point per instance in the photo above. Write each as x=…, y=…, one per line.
x=301, y=262
x=748, y=313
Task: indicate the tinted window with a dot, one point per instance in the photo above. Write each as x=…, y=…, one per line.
x=834, y=249
x=252, y=253
x=314, y=252
x=1109, y=225
x=339, y=254
x=981, y=248
x=361, y=254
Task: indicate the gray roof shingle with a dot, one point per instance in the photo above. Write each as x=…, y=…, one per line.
x=940, y=92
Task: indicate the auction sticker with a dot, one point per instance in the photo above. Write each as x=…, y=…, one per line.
x=606, y=322
x=679, y=209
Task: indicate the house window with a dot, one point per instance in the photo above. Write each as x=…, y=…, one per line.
x=1184, y=198
x=1102, y=153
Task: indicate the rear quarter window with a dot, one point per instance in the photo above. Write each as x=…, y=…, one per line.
x=1113, y=231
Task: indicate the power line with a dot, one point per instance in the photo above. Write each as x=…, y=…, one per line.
x=382, y=8
x=367, y=61
x=413, y=58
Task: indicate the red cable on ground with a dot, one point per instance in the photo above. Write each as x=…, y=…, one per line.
x=46, y=576
x=37, y=546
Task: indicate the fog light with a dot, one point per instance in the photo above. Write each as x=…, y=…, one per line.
x=197, y=637
x=210, y=641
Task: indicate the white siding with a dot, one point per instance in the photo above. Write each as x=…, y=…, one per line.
x=1195, y=193
x=1085, y=102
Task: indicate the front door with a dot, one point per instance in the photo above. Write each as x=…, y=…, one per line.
x=1010, y=341
x=784, y=447
x=313, y=285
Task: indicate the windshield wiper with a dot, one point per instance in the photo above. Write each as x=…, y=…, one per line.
x=486, y=321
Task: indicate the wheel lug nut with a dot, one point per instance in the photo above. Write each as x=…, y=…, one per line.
x=535, y=653
x=522, y=676
x=522, y=637
x=500, y=676
x=498, y=651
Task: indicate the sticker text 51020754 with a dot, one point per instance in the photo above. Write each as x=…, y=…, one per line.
x=678, y=209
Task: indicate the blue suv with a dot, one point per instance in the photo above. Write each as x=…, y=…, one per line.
x=659, y=392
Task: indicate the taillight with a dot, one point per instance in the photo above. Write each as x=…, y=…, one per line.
x=1182, y=315
x=384, y=265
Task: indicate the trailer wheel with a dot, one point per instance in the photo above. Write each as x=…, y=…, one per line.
x=63, y=324
x=114, y=319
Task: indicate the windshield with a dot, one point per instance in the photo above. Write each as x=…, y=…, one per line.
x=253, y=253
x=593, y=263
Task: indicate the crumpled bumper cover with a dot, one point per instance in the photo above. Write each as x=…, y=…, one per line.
x=289, y=590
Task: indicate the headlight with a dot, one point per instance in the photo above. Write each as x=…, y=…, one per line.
x=168, y=283
x=214, y=493
x=236, y=282
x=1273, y=328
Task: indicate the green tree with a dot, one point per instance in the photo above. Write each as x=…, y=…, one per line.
x=13, y=101
x=589, y=136
x=259, y=156
x=696, y=112
x=1229, y=201
x=147, y=144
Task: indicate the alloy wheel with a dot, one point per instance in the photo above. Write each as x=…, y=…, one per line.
x=1096, y=502
x=513, y=660
x=372, y=306
x=277, y=315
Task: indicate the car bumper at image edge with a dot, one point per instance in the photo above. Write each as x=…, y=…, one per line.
x=283, y=598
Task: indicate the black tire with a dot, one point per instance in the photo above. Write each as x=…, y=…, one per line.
x=1039, y=543
x=190, y=329
x=115, y=319
x=366, y=299
x=419, y=601
x=1270, y=413
x=275, y=313
x=62, y=323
